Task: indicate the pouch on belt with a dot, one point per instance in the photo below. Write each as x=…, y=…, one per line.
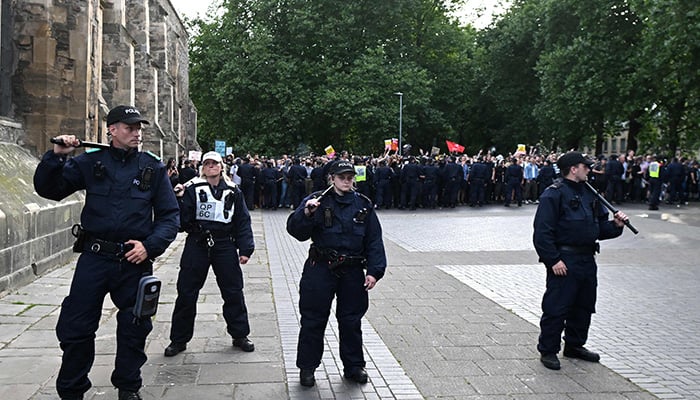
x=147, y=297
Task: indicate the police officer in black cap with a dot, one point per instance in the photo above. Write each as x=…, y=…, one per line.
x=129, y=218
x=346, y=240
x=568, y=224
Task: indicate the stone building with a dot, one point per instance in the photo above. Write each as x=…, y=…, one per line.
x=63, y=65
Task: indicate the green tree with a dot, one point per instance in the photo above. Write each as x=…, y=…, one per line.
x=668, y=62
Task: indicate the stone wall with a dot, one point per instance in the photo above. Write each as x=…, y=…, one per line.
x=34, y=232
x=64, y=64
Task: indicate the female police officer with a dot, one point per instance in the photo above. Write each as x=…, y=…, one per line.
x=346, y=239
x=568, y=223
x=214, y=214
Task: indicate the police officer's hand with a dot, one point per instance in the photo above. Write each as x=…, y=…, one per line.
x=179, y=190
x=620, y=219
x=559, y=268
x=370, y=282
x=243, y=260
x=138, y=254
x=70, y=143
x=311, y=206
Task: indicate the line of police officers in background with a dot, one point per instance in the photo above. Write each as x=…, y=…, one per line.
x=446, y=181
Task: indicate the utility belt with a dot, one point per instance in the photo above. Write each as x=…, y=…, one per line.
x=85, y=241
x=335, y=260
x=209, y=238
x=589, y=249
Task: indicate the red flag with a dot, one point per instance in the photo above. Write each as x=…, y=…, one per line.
x=453, y=147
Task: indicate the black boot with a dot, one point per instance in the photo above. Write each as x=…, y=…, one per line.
x=244, y=344
x=550, y=361
x=127, y=395
x=175, y=348
x=306, y=377
x=581, y=353
x=358, y=375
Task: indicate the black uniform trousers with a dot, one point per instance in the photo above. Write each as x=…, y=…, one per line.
x=409, y=193
x=194, y=267
x=317, y=288
x=477, y=192
x=248, y=189
x=384, y=195
x=513, y=185
x=94, y=277
x=568, y=303
x=654, y=191
x=270, y=190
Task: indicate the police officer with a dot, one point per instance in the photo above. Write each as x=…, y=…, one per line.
x=514, y=182
x=568, y=223
x=270, y=176
x=410, y=184
x=129, y=218
x=215, y=216
x=297, y=179
x=382, y=181
x=346, y=239
x=249, y=175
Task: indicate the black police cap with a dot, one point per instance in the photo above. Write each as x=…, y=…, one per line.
x=572, y=158
x=126, y=114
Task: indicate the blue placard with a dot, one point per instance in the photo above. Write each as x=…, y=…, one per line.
x=220, y=147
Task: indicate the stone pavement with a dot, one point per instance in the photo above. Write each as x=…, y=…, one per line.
x=452, y=319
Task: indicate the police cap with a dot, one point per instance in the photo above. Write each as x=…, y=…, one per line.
x=126, y=114
x=341, y=166
x=570, y=159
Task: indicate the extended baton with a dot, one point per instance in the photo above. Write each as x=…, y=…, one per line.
x=610, y=207
x=81, y=144
x=322, y=194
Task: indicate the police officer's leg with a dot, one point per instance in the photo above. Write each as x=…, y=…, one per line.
x=352, y=304
x=579, y=319
x=316, y=291
x=379, y=200
x=556, y=303
x=229, y=277
x=77, y=323
x=131, y=331
x=194, y=266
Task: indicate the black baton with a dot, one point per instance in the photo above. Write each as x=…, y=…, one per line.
x=610, y=207
x=81, y=144
x=322, y=194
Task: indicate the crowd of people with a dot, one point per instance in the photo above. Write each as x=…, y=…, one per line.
x=446, y=181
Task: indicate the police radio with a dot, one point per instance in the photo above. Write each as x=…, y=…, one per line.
x=147, y=297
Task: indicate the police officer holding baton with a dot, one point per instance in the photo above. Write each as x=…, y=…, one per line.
x=346, y=240
x=568, y=224
x=129, y=218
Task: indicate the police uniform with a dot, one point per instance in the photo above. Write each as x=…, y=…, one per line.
x=219, y=230
x=567, y=226
x=346, y=239
x=128, y=197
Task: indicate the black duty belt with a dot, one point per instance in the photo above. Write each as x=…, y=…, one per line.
x=106, y=248
x=334, y=259
x=588, y=249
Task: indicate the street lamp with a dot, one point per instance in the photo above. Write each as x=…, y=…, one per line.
x=400, y=117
